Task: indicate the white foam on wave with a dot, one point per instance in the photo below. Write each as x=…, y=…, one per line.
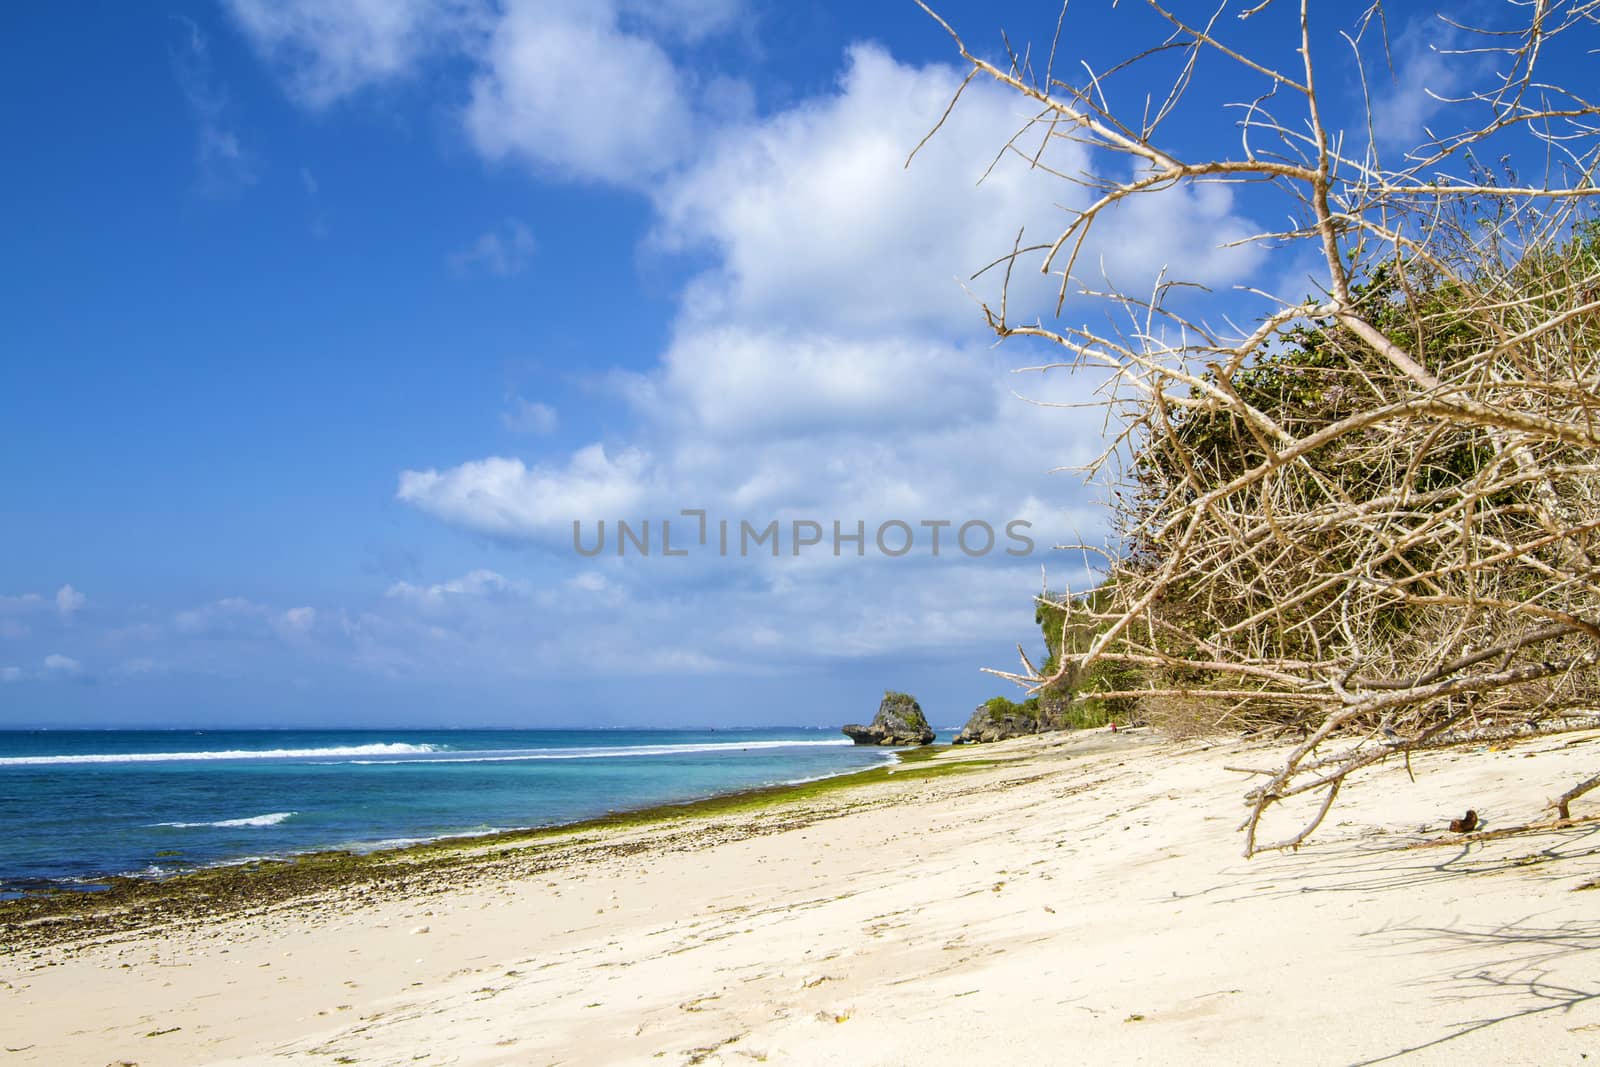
x=889, y=759
x=406, y=842
x=272, y=818
x=382, y=749
x=610, y=753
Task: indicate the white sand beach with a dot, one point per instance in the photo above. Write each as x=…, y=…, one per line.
x=1081, y=901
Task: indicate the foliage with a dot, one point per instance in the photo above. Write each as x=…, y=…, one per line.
x=1371, y=514
x=1000, y=707
x=905, y=705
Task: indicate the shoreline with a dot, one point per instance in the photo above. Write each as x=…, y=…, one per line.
x=157, y=868
x=1063, y=898
x=215, y=891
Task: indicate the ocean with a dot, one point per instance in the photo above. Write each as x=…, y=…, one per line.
x=79, y=806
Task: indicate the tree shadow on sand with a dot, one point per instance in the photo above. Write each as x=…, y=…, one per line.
x=1493, y=973
x=1366, y=866
x=1519, y=984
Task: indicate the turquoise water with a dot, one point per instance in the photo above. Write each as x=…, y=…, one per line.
x=77, y=806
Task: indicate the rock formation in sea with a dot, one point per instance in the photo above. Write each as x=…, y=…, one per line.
x=899, y=722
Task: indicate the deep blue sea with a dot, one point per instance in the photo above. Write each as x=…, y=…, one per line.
x=76, y=806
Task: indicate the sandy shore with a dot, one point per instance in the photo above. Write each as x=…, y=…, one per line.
x=1075, y=901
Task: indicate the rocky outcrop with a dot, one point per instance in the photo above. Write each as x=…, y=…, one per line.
x=998, y=719
x=998, y=723
x=899, y=722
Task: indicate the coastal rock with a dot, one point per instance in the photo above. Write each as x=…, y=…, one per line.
x=997, y=723
x=999, y=719
x=899, y=722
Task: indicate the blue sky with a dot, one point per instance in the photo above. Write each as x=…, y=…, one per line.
x=324, y=321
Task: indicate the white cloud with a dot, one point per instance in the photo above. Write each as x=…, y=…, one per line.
x=585, y=89
x=507, y=498
x=825, y=365
x=69, y=601
x=815, y=217
x=566, y=90
x=298, y=620
x=478, y=584
x=326, y=51
x=529, y=416
x=56, y=663
x=502, y=252
x=987, y=464
x=10, y=674
x=748, y=380
x=828, y=361
x=817, y=220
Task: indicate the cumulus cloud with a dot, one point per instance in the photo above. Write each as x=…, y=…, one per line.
x=565, y=89
x=743, y=380
x=10, y=674
x=501, y=252
x=507, y=498
x=582, y=89
x=815, y=218
x=827, y=360
x=826, y=365
x=824, y=362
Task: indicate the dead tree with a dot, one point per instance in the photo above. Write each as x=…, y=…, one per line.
x=1369, y=515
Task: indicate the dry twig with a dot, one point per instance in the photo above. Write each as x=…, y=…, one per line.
x=1373, y=513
